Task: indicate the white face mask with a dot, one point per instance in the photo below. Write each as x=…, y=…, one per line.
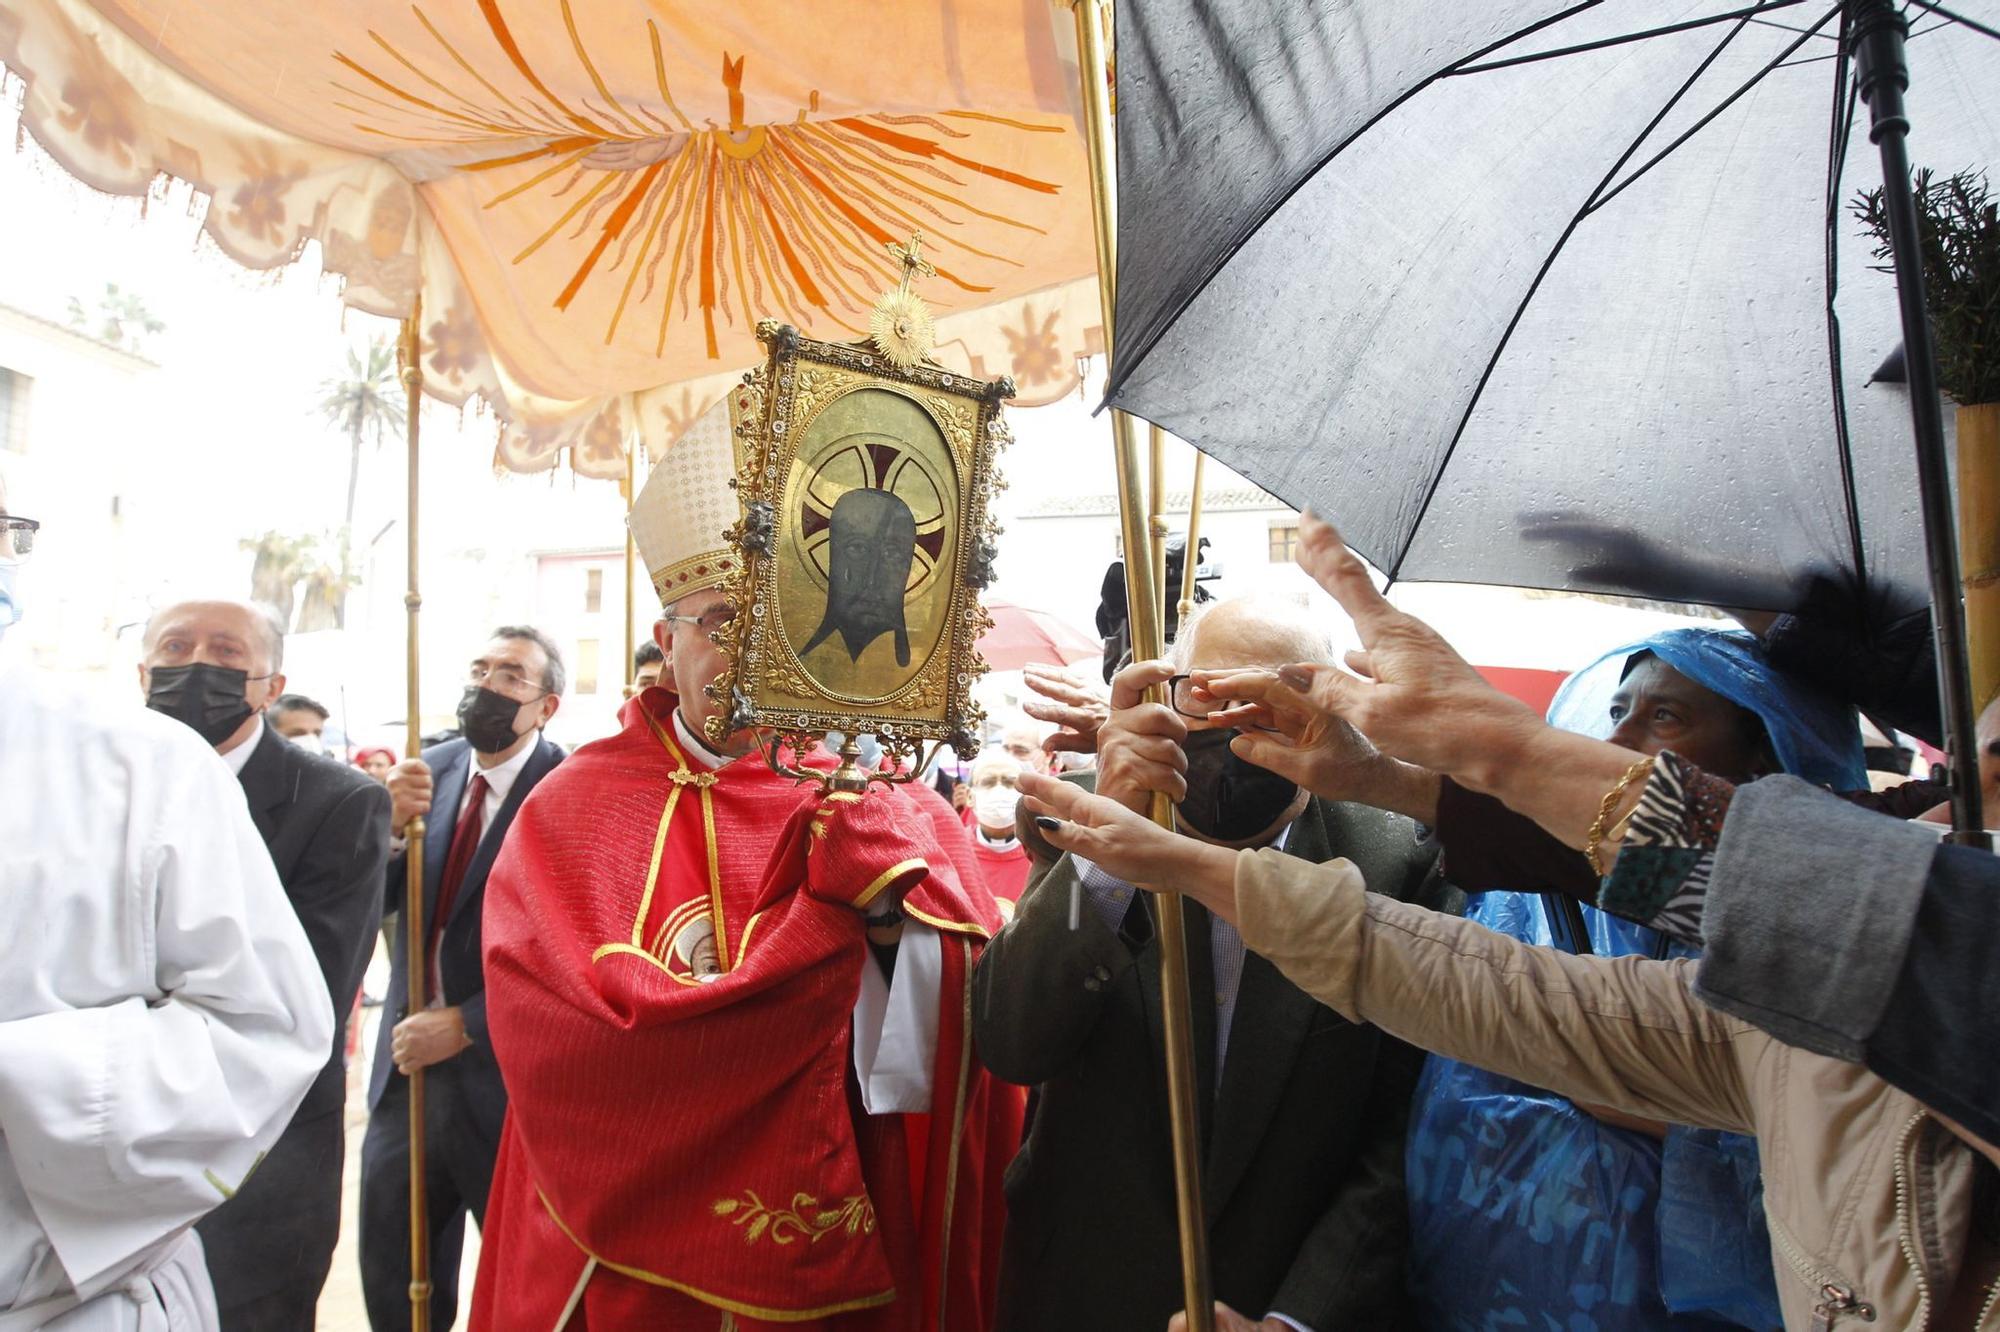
x=310, y=743
x=994, y=805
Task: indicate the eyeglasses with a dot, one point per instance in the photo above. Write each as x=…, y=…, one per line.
x=1180, y=692
x=711, y=620
x=503, y=679
x=17, y=536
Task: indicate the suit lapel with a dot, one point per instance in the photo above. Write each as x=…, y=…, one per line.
x=269, y=783
x=1201, y=995
x=1201, y=1004
x=452, y=775
x=495, y=832
x=1270, y=1022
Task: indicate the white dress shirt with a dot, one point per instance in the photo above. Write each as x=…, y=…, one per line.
x=161, y=1013
x=500, y=779
x=238, y=757
x=895, y=1019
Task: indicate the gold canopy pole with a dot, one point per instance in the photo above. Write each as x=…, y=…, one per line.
x=413, y=839
x=631, y=561
x=1156, y=503
x=1191, y=557
x=1979, y=551
x=1143, y=618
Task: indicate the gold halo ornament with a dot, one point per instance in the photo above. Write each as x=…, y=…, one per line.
x=900, y=327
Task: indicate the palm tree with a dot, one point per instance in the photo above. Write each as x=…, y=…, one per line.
x=367, y=402
x=279, y=564
x=122, y=318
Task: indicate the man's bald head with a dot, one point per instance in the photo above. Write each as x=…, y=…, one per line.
x=1250, y=630
x=251, y=622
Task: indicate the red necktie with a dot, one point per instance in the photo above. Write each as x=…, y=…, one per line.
x=464, y=845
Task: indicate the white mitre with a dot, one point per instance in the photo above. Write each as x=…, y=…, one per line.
x=686, y=506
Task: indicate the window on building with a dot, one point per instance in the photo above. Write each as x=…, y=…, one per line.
x=1284, y=542
x=586, y=666
x=13, y=411
x=593, y=591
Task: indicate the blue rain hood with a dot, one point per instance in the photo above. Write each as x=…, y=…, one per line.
x=1814, y=737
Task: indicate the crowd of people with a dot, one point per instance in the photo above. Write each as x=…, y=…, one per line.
x=1647, y=1014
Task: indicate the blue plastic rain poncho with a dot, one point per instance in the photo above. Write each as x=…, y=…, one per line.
x=1528, y=1213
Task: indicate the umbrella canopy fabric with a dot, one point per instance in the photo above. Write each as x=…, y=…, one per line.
x=598, y=199
x=1515, y=301
x=1021, y=636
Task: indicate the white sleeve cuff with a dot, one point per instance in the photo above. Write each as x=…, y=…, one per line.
x=896, y=1026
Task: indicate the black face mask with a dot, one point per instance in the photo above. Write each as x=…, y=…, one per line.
x=207, y=699
x=1228, y=799
x=486, y=719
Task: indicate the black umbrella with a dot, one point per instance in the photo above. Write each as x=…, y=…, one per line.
x=1551, y=294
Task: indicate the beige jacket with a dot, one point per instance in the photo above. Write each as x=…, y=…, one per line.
x=1868, y=1196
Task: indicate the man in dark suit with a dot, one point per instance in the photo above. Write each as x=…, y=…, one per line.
x=216, y=665
x=469, y=789
x=1301, y=1113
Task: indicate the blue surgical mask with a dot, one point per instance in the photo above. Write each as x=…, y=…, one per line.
x=10, y=605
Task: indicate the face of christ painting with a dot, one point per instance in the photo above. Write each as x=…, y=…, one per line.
x=872, y=543
x=867, y=545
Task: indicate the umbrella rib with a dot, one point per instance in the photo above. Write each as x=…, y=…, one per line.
x=1959, y=19
x=1142, y=346
x=1718, y=109
x=1839, y=131
x=1623, y=38
x=1394, y=569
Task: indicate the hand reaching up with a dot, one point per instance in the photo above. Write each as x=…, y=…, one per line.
x=1412, y=696
x=1071, y=702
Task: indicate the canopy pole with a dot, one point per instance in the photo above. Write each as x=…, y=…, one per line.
x=1143, y=619
x=1156, y=505
x=631, y=563
x=1979, y=525
x=1191, y=556
x=1875, y=36
x=411, y=348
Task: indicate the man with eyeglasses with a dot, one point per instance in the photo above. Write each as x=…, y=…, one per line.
x=161, y=1014
x=1303, y=1113
x=469, y=791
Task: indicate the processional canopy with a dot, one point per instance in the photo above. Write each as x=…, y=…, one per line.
x=862, y=538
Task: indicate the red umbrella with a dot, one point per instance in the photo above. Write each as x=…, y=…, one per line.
x=1021, y=635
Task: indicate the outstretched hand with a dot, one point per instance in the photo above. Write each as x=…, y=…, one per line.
x=1411, y=695
x=1282, y=732
x=1129, y=845
x=1070, y=702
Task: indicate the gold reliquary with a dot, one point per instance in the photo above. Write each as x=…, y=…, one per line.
x=864, y=471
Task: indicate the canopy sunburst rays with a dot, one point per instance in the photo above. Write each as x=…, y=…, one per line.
x=597, y=200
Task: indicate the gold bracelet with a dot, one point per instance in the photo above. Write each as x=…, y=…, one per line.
x=1592, y=846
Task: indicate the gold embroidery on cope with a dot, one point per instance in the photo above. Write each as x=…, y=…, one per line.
x=804, y=1219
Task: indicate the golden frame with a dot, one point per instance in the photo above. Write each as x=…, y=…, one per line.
x=816, y=423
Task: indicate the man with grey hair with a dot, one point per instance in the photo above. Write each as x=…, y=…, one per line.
x=160, y=1014
x=216, y=666
x=1302, y=1113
